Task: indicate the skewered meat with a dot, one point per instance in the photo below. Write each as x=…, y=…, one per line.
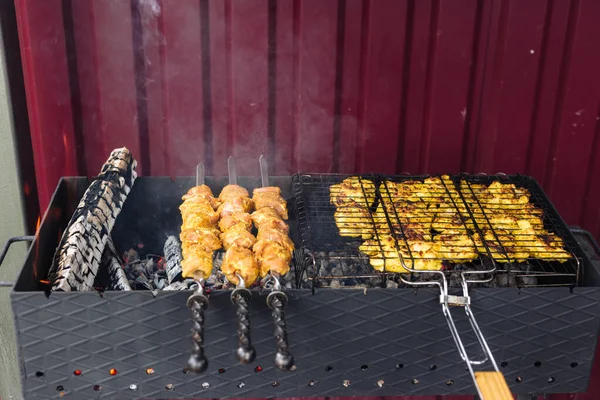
x=235, y=225
x=268, y=218
x=197, y=262
x=239, y=261
x=273, y=249
x=205, y=238
x=270, y=197
x=272, y=256
x=234, y=205
x=237, y=218
x=275, y=236
x=237, y=235
x=199, y=236
x=204, y=192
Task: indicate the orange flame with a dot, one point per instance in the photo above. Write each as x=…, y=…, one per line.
x=37, y=224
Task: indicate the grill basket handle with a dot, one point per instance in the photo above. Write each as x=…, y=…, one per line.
x=493, y=385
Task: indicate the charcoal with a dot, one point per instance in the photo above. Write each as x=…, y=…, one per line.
x=79, y=253
x=186, y=284
x=335, y=284
x=391, y=284
x=172, y=252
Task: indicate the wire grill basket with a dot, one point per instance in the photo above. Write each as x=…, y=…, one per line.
x=500, y=229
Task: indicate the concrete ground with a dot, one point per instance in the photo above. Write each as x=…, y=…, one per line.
x=11, y=224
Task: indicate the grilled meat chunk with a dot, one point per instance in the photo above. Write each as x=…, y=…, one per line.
x=240, y=261
x=270, y=197
x=353, y=191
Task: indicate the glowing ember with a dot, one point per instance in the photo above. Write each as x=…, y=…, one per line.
x=113, y=371
x=77, y=372
x=149, y=371
x=258, y=368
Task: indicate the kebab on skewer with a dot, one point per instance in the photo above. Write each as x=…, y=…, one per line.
x=273, y=252
x=199, y=239
x=239, y=265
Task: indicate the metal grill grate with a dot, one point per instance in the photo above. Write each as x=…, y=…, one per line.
x=430, y=223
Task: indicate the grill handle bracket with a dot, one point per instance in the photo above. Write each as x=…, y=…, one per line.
x=7, y=245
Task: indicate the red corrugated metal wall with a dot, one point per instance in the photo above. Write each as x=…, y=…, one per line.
x=425, y=86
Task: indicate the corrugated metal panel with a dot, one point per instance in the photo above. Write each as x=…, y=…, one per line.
x=389, y=86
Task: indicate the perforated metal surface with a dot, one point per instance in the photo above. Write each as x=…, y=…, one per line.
x=344, y=329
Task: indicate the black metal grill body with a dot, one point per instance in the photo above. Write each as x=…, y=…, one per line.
x=544, y=336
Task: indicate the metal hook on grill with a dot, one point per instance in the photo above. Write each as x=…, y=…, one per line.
x=241, y=297
x=198, y=302
x=277, y=300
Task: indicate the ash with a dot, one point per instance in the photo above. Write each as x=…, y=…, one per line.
x=336, y=271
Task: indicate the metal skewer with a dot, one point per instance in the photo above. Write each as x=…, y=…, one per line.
x=197, y=303
x=277, y=300
x=241, y=297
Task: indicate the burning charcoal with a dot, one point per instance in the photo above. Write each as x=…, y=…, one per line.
x=78, y=256
x=172, y=252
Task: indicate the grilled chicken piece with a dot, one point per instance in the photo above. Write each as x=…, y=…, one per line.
x=353, y=191
x=197, y=263
x=237, y=235
x=203, y=192
x=274, y=236
x=354, y=222
x=240, y=260
x=233, y=192
x=237, y=218
x=206, y=239
x=268, y=218
x=270, y=197
x=232, y=205
x=272, y=257
x=199, y=236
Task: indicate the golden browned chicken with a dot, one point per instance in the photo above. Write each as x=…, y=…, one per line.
x=204, y=192
x=353, y=191
x=240, y=261
x=199, y=236
x=237, y=235
x=272, y=257
x=270, y=197
x=268, y=218
x=354, y=222
x=273, y=249
x=235, y=225
x=237, y=218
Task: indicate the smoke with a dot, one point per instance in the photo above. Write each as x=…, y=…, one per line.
x=149, y=8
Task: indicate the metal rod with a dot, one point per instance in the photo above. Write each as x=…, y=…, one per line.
x=241, y=297
x=264, y=171
x=5, y=251
x=231, y=168
x=197, y=303
x=200, y=174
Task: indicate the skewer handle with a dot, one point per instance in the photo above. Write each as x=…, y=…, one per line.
x=198, y=302
x=277, y=300
x=245, y=352
x=493, y=386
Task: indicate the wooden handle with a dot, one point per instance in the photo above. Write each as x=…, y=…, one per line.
x=493, y=386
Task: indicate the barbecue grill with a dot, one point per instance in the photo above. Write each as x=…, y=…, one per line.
x=353, y=332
